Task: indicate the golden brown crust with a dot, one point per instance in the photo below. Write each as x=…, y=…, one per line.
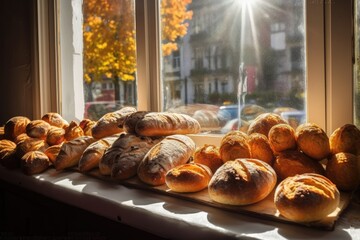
x=37, y=129
x=306, y=197
x=290, y=163
x=131, y=121
x=2, y=133
x=55, y=119
x=55, y=136
x=7, y=154
x=172, y=151
x=52, y=152
x=165, y=123
x=242, y=182
x=345, y=139
x=260, y=148
x=234, y=145
x=208, y=155
x=86, y=125
x=21, y=137
x=73, y=131
x=30, y=144
x=34, y=162
x=264, y=122
x=191, y=177
x=109, y=124
x=313, y=141
x=15, y=126
x=282, y=137
x=343, y=170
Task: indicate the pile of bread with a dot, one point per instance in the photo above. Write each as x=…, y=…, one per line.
x=306, y=168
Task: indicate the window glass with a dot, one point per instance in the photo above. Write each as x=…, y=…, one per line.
x=109, y=56
x=222, y=56
x=357, y=64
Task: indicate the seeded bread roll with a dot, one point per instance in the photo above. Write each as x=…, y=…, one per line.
x=343, y=170
x=55, y=119
x=55, y=136
x=306, y=197
x=172, y=151
x=282, y=137
x=208, y=155
x=345, y=139
x=242, y=182
x=15, y=126
x=34, y=162
x=260, y=148
x=313, y=141
x=290, y=163
x=234, y=145
x=109, y=124
x=37, y=129
x=131, y=121
x=165, y=123
x=7, y=154
x=264, y=122
x=190, y=177
x=71, y=152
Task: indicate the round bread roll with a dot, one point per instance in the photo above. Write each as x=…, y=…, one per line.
x=260, y=148
x=290, y=163
x=234, y=145
x=37, y=129
x=208, y=155
x=313, y=141
x=342, y=169
x=7, y=154
x=73, y=131
x=55, y=136
x=190, y=177
x=30, y=144
x=264, y=122
x=345, y=139
x=306, y=197
x=15, y=126
x=34, y=162
x=242, y=181
x=52, y=152
x=282, y=137
x=55, y=119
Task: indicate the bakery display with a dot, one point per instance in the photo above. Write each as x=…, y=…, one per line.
x=242, y=182
x=313, y=141
x=306, y=197
x=343, y=169
x=282, y=137
x=208, y=155
x=260, y=148
x=186, y=178
x=345, y=139
x=234, y=145
x=34, y=162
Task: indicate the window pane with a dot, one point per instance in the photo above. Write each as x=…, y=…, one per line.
x=109, y=56
x=357, y=64
x=221, y=56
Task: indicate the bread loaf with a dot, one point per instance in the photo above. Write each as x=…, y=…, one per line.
x=15, y=126
x=234, y=145
x=87, y=125
x=34, y=162
x=30, y=144
x=306, y=197
x=131, y=120
x=109, y=124
x=7, y=154
x=172, y=151
x=345, y=139
x=37, y=129
x=209, y=156
x=190, y=177
x=71, y=152
x=164, y=124
x=264, y=122
x=73, y=131
x=260, y=148
x=55, y=119
x=52, y=152
x=282, y=137
x=242, y=182
x=55, y=136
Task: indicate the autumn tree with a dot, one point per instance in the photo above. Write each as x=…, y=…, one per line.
x=109, y=37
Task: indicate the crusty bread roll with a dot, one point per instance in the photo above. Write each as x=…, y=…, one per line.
x=343, y=170
x=264, y=122
x=109, y=124
x=234, y=145
x=172, y=151
x=30, y=144
x=21, y=138
x=52, y=152
x=73, y=131
x=292, y=162
x=208, y=155
x=282, y=137
x=190, y=177
x=131, y=121
x=306, y=197
x=34, y=162
x=55, y=136
x=165, y=123
x=260, y=148
x=7, y=154
x=87, y=125
x=55, y=119
x=242, y=182
x=313, y=141
x=71, y=152
x=94, y=152
x=15, y=126
x=345, y=139
x=37, y=129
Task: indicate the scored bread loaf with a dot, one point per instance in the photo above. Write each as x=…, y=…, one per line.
x=131, y=121
x=165, y=123
x=170, y=152
x=7, y=154
x=37, y=129
x=55, y=119
x=55, y=136
x=208, y=155
x=15, y=126
x=34, y=162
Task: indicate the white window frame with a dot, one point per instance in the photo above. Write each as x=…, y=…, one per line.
x=329, y=54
